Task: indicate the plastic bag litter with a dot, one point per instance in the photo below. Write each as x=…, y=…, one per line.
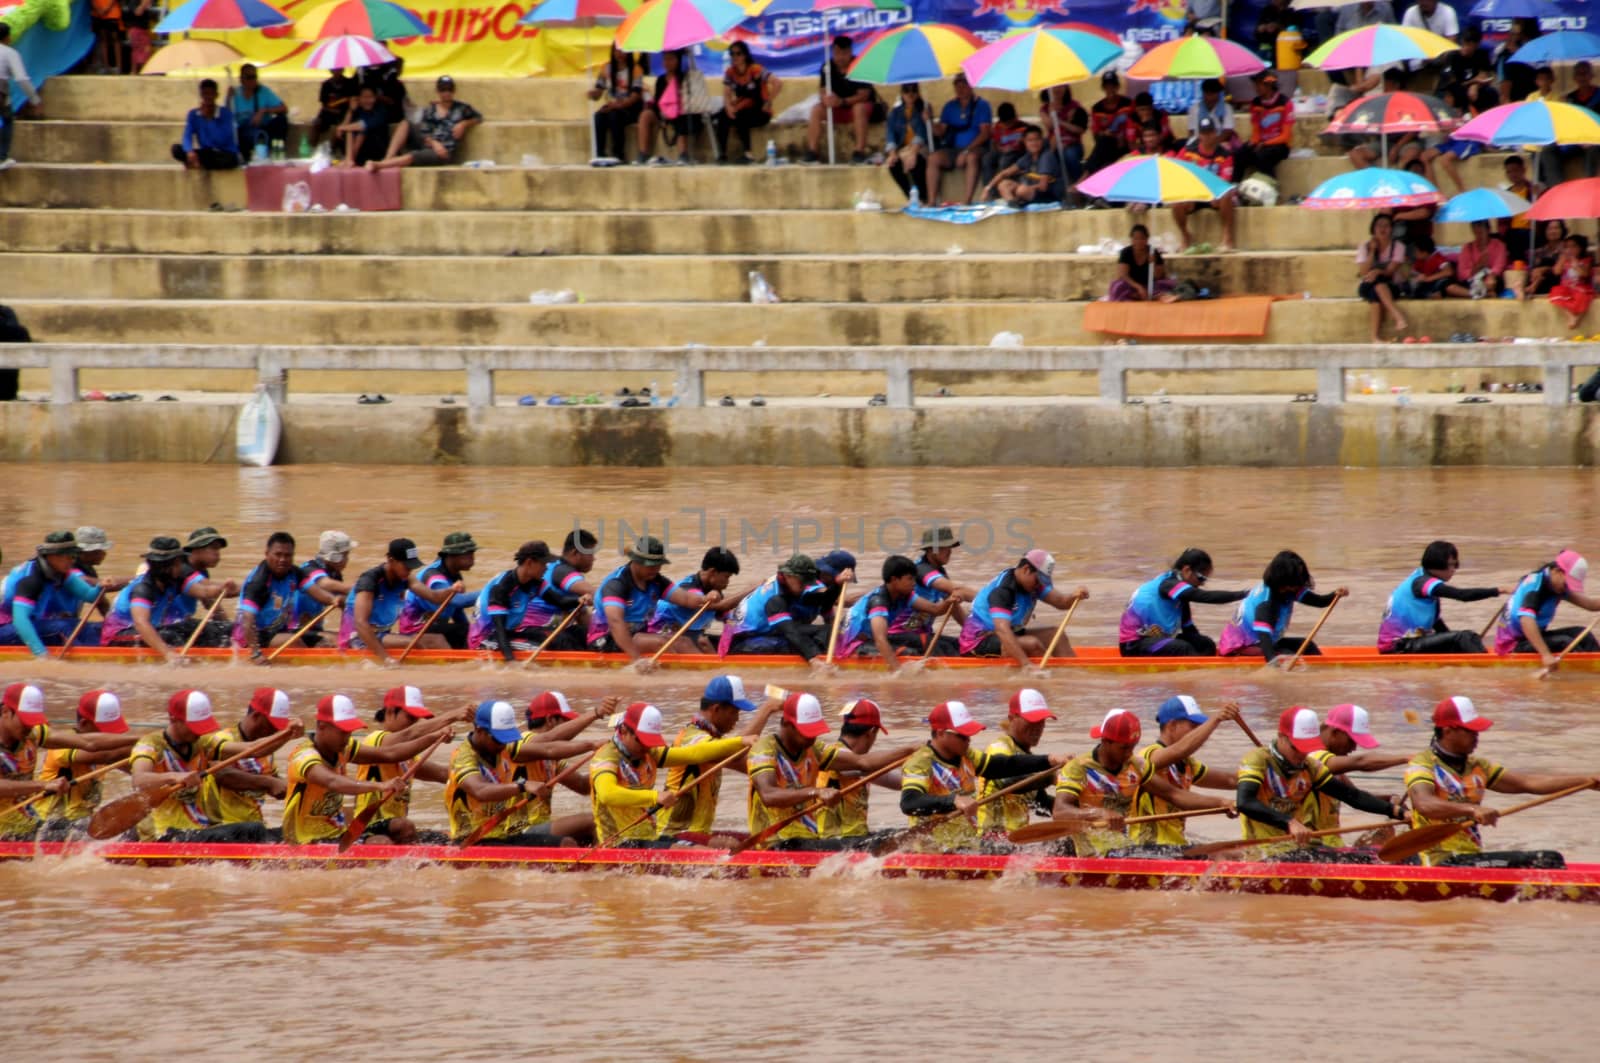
x=345, y=208
x=868, y=201
x=760, y=290
x=478, y=164
x=545, y=297
x=1007, y=340
x=800, y=112
x=1303, y=153
x=955, y=249
x=322, y=158
x=296, y=198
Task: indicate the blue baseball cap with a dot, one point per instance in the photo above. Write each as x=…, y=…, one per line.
x=1180, y=707
x=729, y=690
x=836, y=561
x=499, y=719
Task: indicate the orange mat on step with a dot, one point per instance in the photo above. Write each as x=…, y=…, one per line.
x=1233, y=316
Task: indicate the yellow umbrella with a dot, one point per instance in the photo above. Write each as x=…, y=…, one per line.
x=182, y=56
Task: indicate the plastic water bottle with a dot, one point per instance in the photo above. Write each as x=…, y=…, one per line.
x=305, y=146
x=655, y=393
x=916, y=197
x=772, y=152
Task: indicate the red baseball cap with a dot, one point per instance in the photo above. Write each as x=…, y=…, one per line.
x=1029, y=704
x=805, y=712
x=27, y=700
x=339, y=711
x=550, y=703
x=273, y=704
x=644, y=720
x=104, y=710
x=193, y=709
x=1120, y=725
x=408, y=699
x=1459, y=712
x=1353, y=721
x=863, y=712
x=1300, y=726
x=953, y=716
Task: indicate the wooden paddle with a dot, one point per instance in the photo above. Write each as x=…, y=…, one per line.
x=201, y=626
x=1490, y=625
x=650, y=812
x=1323, y=619
x=773, y=828
x=360, y=821
x=1247, y=732
x=1244, y=843
x=552, y=636
x=1420, y=839
x=313, y=622
x=487, y=827
x=110, y=820
x=1050, y=830
x=95, y=774
x=833, y=634
x=933, y=822
x=656, y=656
x=1545, y=672
x=934, y=641
x=423, y=630
x=1061, y=628
x=82, y=620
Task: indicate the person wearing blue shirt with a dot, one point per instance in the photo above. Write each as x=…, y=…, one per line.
x=963, y=133
x=259, y=114
x=210, y=141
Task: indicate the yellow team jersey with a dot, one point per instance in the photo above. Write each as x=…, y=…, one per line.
x=187, y=809
x=611, y=765
x=81, y=799
x=534, y=813
x=1291, y=793
x=1325, y=809
x=313, y=813
x=1011, y=811
x=768, y=757
x=927, y=772
x=847, y=819
x=234, y=806
x=400, y=804
x=1463, y=787
x=696, y=810
x=18, y=764
x=466, y=813
x=1097, y=786
x=1183, y=775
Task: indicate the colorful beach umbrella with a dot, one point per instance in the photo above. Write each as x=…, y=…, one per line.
x=1379, y=46
x=1533, y=122
x=914, y=53
x=1570, y=199
x=339, y=53
x=1154, y=179
x=1564, y=46
x=222, y=15
x=1372, y=189
x=1482, y=204
x=376, y=20
x=578, y=13
x=1040, y=58
x=667, y=25
x=1195, y=58
x=1395, y=112
x=192, y=54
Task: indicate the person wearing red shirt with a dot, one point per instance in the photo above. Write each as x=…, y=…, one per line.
x=1108, y=120
x=1207, y=152
x=1271, y=129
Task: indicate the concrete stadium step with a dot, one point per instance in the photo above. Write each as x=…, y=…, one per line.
x=748, y=232
x=623, y=324
x=645, y=278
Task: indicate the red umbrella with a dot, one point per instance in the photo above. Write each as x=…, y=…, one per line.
x=1572, y=199
x=1395, y=112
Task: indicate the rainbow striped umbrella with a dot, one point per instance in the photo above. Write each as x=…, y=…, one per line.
x=376, y=20
x=1040, y=58
x=1154, y=179
x=578, y=13
x=1533, y=122
x=1195, y=57
x=1379, y=46
x=339, y=53
x=223, y=15
x=1374, y=188
x=667, y=25
x=914, y=53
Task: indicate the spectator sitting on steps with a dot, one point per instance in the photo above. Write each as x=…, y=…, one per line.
x=260, y=114
x=855, y=102
x=210, y=141
x=366, y=133
x=336, y=96
x=11, y=69
x=1035, y=177
x=962, y=133
x=437, y=134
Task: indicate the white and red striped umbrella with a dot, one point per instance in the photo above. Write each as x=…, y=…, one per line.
x=338, y=53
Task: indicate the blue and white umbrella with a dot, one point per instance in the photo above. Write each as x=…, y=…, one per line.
x=1514, y=9
x=1374, y=188
x=1482, y=204
x=1564, y=46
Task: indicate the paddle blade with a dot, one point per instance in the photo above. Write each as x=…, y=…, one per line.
x=122, y=815
x=1412, y=842
x=1048, y=831
x=358, y=826
x=484, y=829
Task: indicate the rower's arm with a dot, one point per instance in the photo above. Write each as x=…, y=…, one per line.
x=1178, y=797
x=247, y=630
x=431, y=772
x=1320, y=601
x=502, y=637
x=1463, y=594
x=1430, y=805
x=685, y=598
x=1583, y=601
x=880, y=639
x=1012, y=765
x=93, y=743
x=395, y=749
x=146, y=777
x=609, y=792
x=320, y=593
x=361, y=618
x=1535, y=637
x=798, y=639
x=29, y=787
x=545, y=749
x=758, y=719
x=250, y=782
x=435, y=595
x=929, y=608
x=1247, y=799
x=140, y=614
x=86, y=757
x=209, y=590
x=1187, y=746
x=728, y=602
x=1204, y=597
x=958, y=591
x=22, y=620
x=1066, y=807
x=617, y=624
x=1218, y=780
x=1261, y=627
x=486, y=792
x=774, y=796
x=336, y=782
x=1009, y=647
x=705, y=752
x=1512, y=782
x=578, y=783
x=1366, y=762
x=846, y=761
x=915, y=801
x=1356, y=797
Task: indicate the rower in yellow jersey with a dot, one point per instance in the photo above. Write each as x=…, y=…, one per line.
x=622, y=776
x=23, y=733
x=175, y=754
x=318, y=784
x=67, y=814
x=860, y=724
x=784, y=769
x=721, y=705
x=235, y=793
x=402, y=712
x=942, y=776
x=1102, y=786
x=483, y=780
x=1347, y=729
x=1169, y=772
x=1020, y=731
x=551, y=718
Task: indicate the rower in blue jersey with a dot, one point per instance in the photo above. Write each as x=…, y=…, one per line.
x=1524, y=625
x=1411, y=623
x=835, y=569
x=456, y=557
x=769, y=618
x=203, y=551
x=373, y=607
x=934, y=582
x=997, y=625
x=628, y=598
x=1157, y=622
x=570, y=576
x=153, y=609
x=506, y=601
x=322, y=583
x=1258, y=625
x=717, y=568
x=876, y=623
x=40, y=598
x=267, y=602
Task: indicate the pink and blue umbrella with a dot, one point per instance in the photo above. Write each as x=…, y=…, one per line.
x=1040, y=58
x=1154, y=179
x=1481, y=204
x=1374, y=188
x=223, y=15
x=1562, y=47
x=1379, y=45
x=1533, y=122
